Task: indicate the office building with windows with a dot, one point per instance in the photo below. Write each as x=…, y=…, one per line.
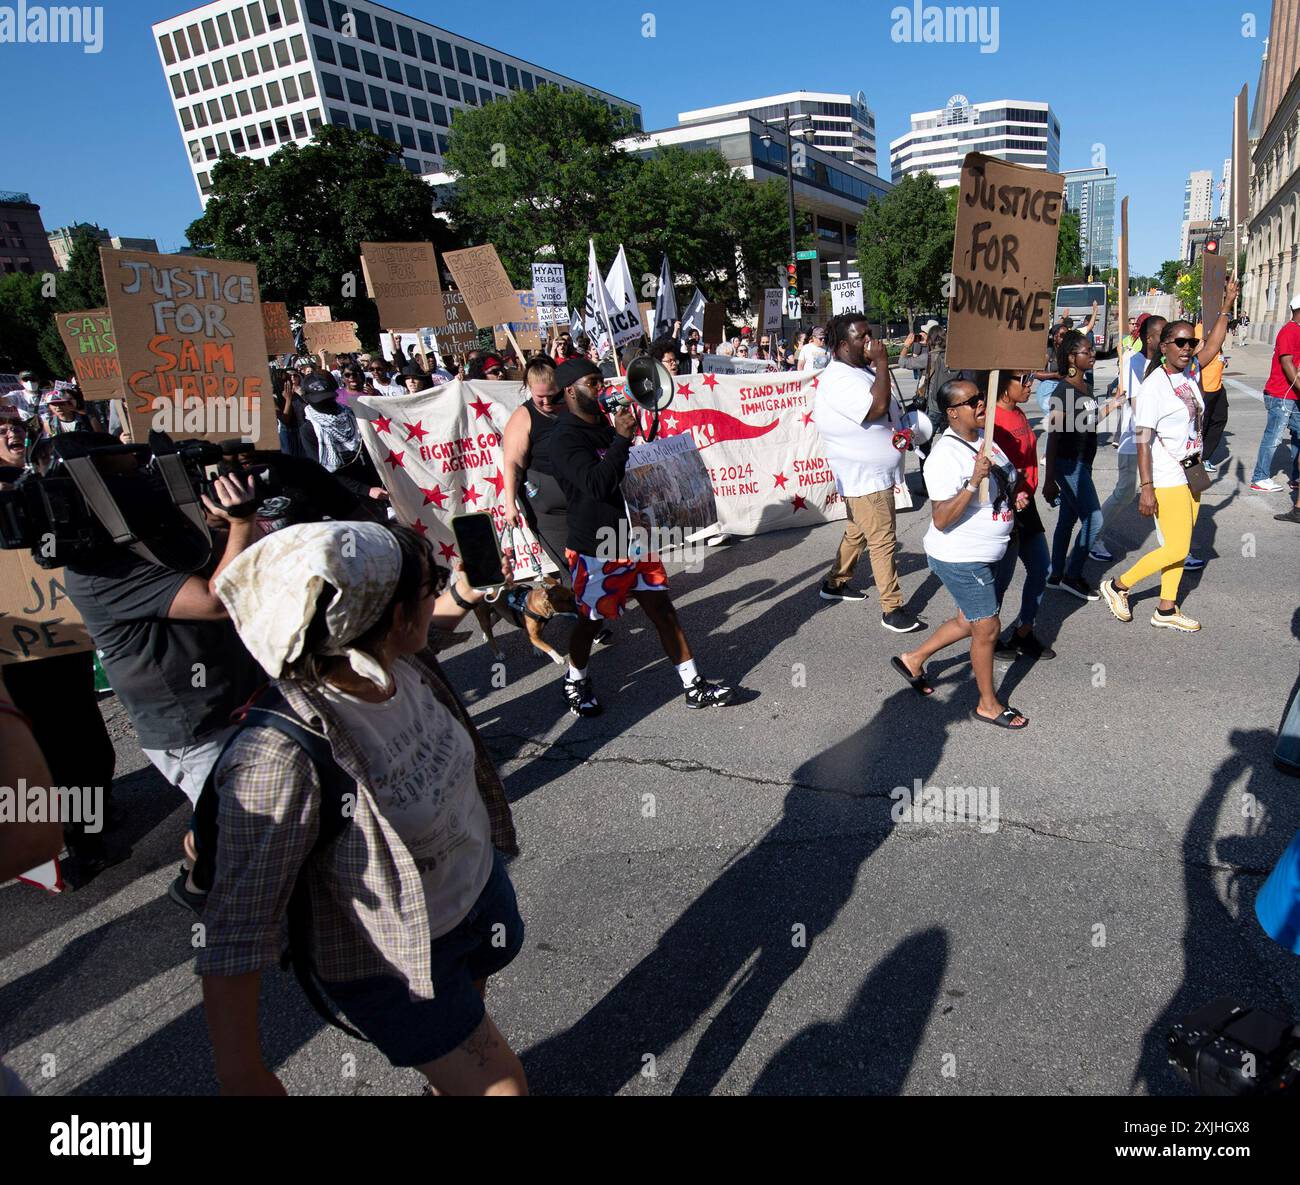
x=1017, y=130
x=24, y=246
x=248, y=77
x=1198, y=208
x=63, y=240
x=842, y=125
x=1092, y=193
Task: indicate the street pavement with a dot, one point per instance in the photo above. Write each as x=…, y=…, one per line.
x=722, y=902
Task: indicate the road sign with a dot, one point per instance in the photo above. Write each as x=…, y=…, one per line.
x=805, y=254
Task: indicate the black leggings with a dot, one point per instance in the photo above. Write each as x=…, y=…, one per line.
x=1216, y=420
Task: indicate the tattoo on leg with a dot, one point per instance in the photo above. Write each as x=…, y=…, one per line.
x=481, y=1044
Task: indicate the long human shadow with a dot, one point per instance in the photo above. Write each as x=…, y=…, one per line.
x=872, y=1049
x=799, y=874
x=1219, y=947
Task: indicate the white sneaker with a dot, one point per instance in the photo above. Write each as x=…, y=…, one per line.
x=1099, y=553
x=1177, y=620
x=1267, y=486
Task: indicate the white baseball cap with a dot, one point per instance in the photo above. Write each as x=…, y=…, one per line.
x=929, y=325
x=1295, y=302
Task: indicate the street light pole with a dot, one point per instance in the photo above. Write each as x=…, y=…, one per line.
x=789, y=177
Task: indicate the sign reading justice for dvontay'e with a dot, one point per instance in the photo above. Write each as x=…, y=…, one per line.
x=192, y=345
x=1004, y=264
x=402, y=279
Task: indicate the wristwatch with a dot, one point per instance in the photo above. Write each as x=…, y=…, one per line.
x=966, y=485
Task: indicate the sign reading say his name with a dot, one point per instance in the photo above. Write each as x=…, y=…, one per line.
x=402, y=279
x=36, y=617
x=483, y=282
x=92, y=346
x=192, y=345
x=279, y=334
x=1004, y=264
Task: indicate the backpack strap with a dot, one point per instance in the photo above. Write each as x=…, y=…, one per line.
x=338, y=792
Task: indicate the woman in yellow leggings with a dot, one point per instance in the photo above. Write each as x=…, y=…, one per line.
x=1167, y=418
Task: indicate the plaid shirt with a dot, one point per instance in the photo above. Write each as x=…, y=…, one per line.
x=367, y=901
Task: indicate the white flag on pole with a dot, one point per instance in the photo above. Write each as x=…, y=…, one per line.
x=624, y=316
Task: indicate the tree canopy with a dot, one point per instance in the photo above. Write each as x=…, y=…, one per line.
x=1069, y=256
x=905, y=247
x=1167, y=276
x=301, y=214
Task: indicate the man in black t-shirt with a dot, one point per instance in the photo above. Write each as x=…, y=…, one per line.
x=589, y=458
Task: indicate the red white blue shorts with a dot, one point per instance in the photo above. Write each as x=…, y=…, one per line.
x=602, y=587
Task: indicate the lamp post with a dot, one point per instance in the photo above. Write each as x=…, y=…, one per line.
x=767, y=137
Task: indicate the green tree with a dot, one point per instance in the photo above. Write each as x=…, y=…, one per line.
x=1168, y=274
x=1187, y=288
x=302, y=214
x=28, y=337
x=905, y=247
x=1069, y=257
x=81, y=284
x=539, y=172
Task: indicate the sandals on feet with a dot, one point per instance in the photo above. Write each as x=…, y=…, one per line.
x=1003, y=719
x=919, y=683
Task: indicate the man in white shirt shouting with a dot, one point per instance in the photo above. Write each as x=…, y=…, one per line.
x=857, y=420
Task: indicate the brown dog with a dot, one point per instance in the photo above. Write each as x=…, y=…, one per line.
x=528, y=607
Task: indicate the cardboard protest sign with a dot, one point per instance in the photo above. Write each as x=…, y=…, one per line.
x=482, y=280
x=439, y=454
x=667, y=488
x=523, y=324
x=1004, y=264
x=549, y=294
x=772, y=300
x=91, y=344
x=1214, y=277
x=459, y=335
x=279, y=334
x=36, y=617
x=402, y=279
x=1240, y=161
x=846, y=296
x=192, y=346
x=317, y=312
x=647, y=310
x=714, y=323
x=332, y=337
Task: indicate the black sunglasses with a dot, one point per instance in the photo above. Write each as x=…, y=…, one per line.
x=1184, y=343
x=967, y=402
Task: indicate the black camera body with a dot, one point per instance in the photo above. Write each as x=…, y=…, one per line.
x=1225, y=1048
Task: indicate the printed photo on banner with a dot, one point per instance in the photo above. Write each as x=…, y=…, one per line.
x=669, y=496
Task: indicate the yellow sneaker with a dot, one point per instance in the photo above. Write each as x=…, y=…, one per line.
x=1177, y=620
x=1116, y=600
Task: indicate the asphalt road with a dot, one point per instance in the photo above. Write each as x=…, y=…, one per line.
x=722, y=902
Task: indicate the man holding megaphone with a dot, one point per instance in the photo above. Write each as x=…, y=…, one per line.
x=589, y=458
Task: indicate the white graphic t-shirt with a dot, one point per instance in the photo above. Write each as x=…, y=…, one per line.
x=981, y=534
x=421, y=764
x=1170, y=405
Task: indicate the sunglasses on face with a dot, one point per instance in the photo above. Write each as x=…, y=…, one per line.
x=1184, y=343
x=494, y=370
x=966, y=403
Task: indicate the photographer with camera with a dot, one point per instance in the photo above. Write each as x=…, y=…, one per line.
x=167, y=645
x=589, y=458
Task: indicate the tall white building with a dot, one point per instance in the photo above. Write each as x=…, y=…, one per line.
x=842, y=125
x=1225, y=190
x=1017, y=130
x=1198, y=205
x=248, y=78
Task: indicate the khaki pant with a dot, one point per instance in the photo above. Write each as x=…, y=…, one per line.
x=870, y=528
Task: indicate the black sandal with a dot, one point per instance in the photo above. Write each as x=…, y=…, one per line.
x=1002, y=719
x=919, y=683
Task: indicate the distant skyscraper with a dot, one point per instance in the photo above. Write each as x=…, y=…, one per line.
x=1092, y=193
x=1198, y=204
x=1017, y=130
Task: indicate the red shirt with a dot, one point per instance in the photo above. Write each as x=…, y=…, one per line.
x=1013, y=435
x=1288, y=342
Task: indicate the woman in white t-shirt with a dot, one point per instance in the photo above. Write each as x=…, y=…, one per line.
x=814, y=355
x=967, y=538
x=1167, y=417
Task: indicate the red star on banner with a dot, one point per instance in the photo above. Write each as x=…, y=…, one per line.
x=437, y=496
x=470, y=495
x=416, y=430
x=807, y=418
x=816, y=379
x=498, y=483
x=383, y=424
x=419, y=526
x=481, y=408
x=710, y=381
x=779, y=480
x=448, y=552
x=684, y=390
x=395, y=460
x=799, y=503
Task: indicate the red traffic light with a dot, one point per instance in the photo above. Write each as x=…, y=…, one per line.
x=1211, y=246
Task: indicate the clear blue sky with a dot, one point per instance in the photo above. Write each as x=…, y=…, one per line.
x=93, y=137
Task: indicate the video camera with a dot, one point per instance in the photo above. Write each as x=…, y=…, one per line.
x=83, y=498
x=1227, y=1049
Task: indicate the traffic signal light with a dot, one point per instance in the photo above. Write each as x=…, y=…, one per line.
x=792, y=280
x=1211, y=246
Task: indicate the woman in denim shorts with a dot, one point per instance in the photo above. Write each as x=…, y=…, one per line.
x=967, y=538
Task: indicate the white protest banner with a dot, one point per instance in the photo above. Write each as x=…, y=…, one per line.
x=756, y=436
x=550, y=296
x=725, y=364
x=846, y=296
x=439, y=454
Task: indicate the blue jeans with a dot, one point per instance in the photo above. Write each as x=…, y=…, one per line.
x=1032, y=552
x=1046, y=388
x=1282, y=414
x=1079, y=503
